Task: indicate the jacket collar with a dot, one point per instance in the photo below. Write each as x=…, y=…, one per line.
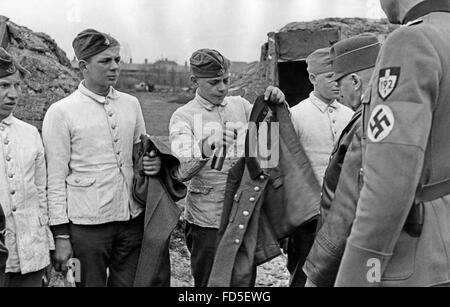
x=322, y=106
x=100, y=99
x=8, y=121
x=208, y=105
x=426, y=7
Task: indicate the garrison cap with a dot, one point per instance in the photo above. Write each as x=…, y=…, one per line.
x=91, y=42
x=7, y=67
x=354, y=54
x=209, y=63
x=319, y=62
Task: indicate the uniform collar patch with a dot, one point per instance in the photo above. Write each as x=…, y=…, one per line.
x=387, y=81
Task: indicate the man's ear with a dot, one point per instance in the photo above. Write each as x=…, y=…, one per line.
x=194, y=80
x=356, y=81
x=82, y=64
x=312, y=79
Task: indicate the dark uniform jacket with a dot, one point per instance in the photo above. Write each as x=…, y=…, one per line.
x=340, y=193
x=407, y=150
x=263, y=206
x=158, y=194
x=3, y=250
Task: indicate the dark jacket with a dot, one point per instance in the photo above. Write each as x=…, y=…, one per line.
x=338, y=206
x=158, y=194
x=3, y=250
x=263, y=206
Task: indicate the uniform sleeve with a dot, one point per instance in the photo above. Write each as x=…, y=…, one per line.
x=185, y=146
x=140, y=123
x=40, y=176
x=325, y=257
x=56, y=137
x=403, y=97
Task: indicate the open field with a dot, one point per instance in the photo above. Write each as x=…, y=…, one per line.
x=157, y=110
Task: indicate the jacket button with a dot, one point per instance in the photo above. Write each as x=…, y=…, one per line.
x=246, y=213
x=237, y=241
x=252, y=199
x=257, y=189
x=241, y=227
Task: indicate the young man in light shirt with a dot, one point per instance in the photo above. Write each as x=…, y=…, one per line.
x=22, y=188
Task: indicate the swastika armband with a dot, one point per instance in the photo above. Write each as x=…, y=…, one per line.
x=387, y=81
x=381, y=123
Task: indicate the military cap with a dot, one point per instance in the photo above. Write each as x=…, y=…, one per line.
x=7, y=66
x=319, y=62
x=209, y=63
x=91, y=42
x=354, y=54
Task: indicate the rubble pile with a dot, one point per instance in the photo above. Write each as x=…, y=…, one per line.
x=52, y=77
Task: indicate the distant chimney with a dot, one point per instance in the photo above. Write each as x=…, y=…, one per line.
x=131, y=60
x=146, y=61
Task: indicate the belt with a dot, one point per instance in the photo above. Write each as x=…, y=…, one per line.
x=433, y=191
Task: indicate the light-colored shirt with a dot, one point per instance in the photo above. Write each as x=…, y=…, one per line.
x=191, y=124
x=89, y=143
x=319, y=126
x=23, y=197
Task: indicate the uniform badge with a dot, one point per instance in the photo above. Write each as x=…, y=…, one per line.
x=381, y=123
x=387, y=81
x=107, y=42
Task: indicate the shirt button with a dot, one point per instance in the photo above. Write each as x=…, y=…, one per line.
x=116, y=140
x=330, y=110
x=246, y=213
x=237, y=241
x=113, y=127
x=77, y=181
x=119, y=152
x=8, y=158
x=257, y=189
x=13, y=192
x=241, y=227
x=14, y=209
x=110, y=114
x=11, y=176
x=6, y=142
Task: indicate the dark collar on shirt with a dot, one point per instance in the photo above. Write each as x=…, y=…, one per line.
x=426, y=7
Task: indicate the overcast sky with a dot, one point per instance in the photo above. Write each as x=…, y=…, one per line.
x=173, y=29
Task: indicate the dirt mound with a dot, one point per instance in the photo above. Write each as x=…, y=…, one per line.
x=52, y=77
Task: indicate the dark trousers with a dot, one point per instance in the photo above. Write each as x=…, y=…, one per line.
x=17, y=280
x=114, y=246
x=299, y=246
x=201, y=243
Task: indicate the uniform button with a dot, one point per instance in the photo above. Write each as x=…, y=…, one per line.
x=246, y=213
x=13, y=192
x=252, y=199
x=237, y=241
x=77, y=181
x=241, y=227
x=119, y=152
x=257, y=189
x=262, y=177
x=116, y=140
x=6, y=142
x=11, y=176
x=113, y=127
x=334, y=121
x=8, y=158
x=110, y=114
x=14, y=209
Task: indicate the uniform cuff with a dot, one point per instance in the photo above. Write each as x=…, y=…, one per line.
x=60, y=230
x=361, y=267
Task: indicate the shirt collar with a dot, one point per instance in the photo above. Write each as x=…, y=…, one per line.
x=208, y=105
x=8, y=121
x=322, y=106
x=426, y=7
x=100, y=99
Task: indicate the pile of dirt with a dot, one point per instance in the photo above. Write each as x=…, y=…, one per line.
x=52, y=77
